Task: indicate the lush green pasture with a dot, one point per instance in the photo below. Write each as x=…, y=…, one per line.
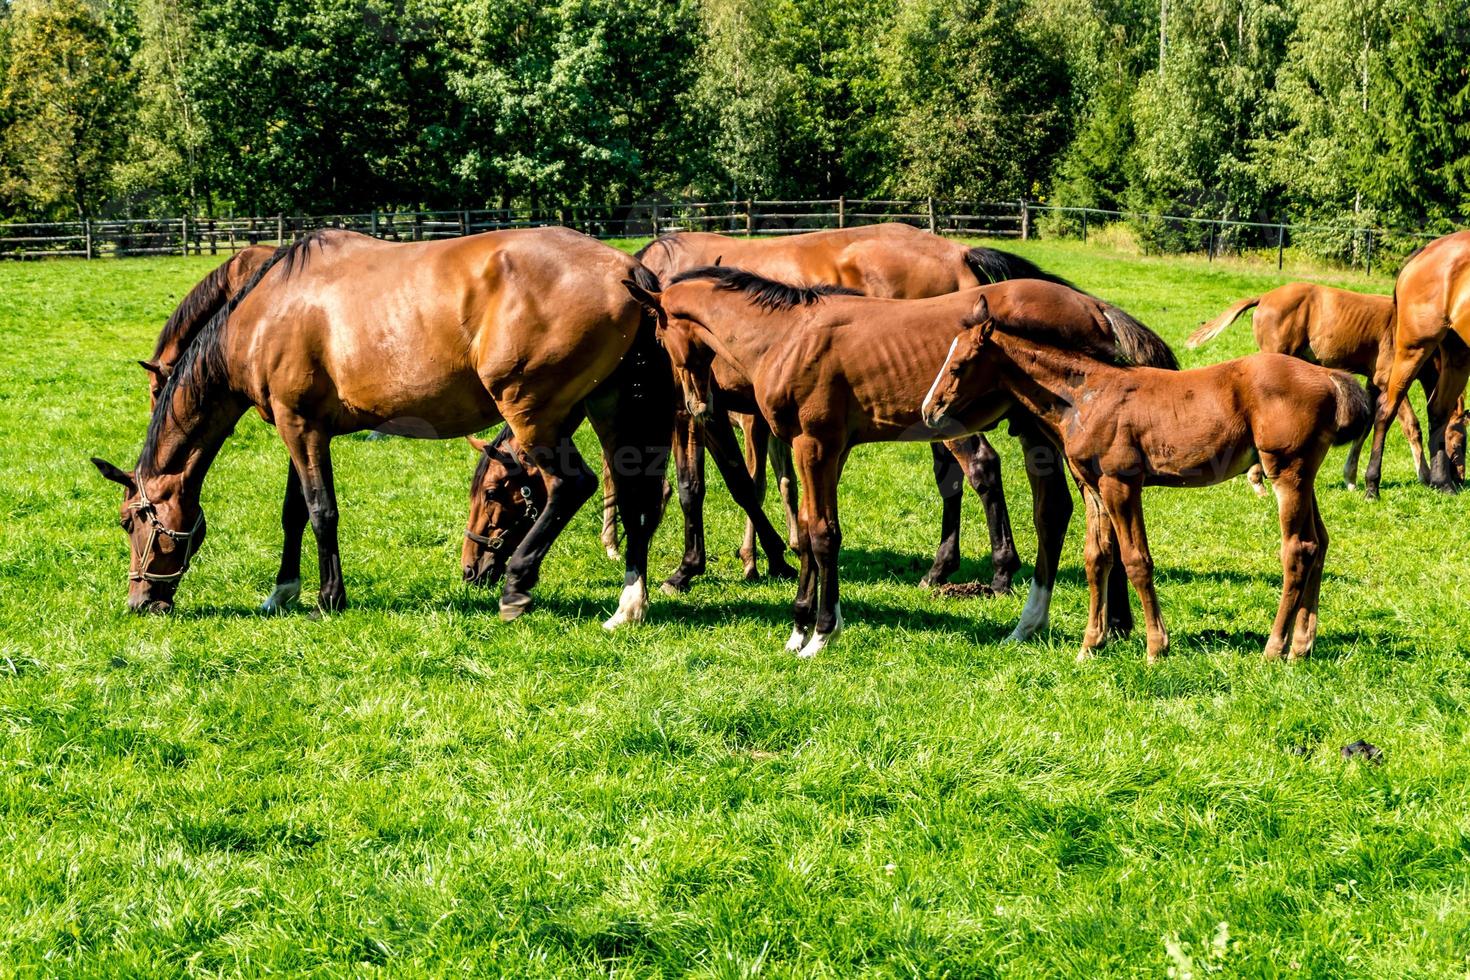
x=415, y=787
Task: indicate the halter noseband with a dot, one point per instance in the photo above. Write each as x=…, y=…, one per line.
x=498, y=541
x=156, y=527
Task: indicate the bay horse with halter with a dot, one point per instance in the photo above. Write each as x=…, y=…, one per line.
x=341, y=332
x=1337, y=328
x=1122, y=428
x=832, y=371
x=885, y=260
x=1431, y=316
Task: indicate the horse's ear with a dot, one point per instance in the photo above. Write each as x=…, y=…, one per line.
x=114, y=474
x=719, y=259
x=153, y=368
x=643, y=297
x=979, y=315
x=480, y=445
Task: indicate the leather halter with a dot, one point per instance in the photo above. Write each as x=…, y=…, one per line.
x=498, y=541
x=156, y=527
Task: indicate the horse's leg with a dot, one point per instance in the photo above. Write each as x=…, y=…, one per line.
x=1098, y=554
x=786, y=485
x=1305, y=634
x=1450, y=387
x=803, y=610
x=1350, y=465
x=609, y=512
x=756, y=434
x=1051, y=511
x=689, y=467
x=1258, y=481
x=821, y=469
x=982, y=469
x=947, y=479
x=1124, y=502
x=294, y=516
x=1408, y=361
x=310, y=449
x=737, y=480
x=569, y=484
x=1454, y=438
x=1294, y=497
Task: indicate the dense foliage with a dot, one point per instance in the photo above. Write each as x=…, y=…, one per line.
x=1341, y=112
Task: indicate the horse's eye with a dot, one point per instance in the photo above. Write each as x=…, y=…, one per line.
x=126, y=524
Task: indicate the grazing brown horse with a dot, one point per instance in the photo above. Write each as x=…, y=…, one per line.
x=893, y=261
x=1122, y=428
x=341, y=332
x=196, y=309
x=1431, y=315
x=1336, y=328
x=830, y=372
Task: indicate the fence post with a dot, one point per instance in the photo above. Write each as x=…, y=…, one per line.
x=1025, y=220
x=933, y=228
x=374, y=224
x=1280, y=246
x=842, y=211
x=280, y=229
x=183, y=236
x=1368, y=269
x=87, y=234
x=749, y=219
x=1084, y=226
x=418, y=225
x=655, y=219
x=1210, y=245
x=464, y=223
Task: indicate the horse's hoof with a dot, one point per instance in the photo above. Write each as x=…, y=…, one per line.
x=797, y=641
x=514, y=606
x=675, y=585
x=781, y=571
x=612, y=553
x=333, y=603
x=1351, y=486
x=282, y=598
x=820, y=640
x=1085, y=654
x=751, y=573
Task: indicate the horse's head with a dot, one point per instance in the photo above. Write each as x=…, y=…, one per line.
x=966, y=372
x=505, y=500
x=687, y=343
x=164, y=534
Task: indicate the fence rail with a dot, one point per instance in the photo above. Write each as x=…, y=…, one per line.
x=185, y=235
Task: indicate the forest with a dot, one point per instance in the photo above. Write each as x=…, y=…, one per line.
x=1337, y=112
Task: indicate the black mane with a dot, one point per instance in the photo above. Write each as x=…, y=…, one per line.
x=768, y=294
x=202, y=364
x=203, y=299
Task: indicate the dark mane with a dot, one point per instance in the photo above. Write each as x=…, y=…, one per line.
x=991, y=265
x=768, y=294
x=193, y=309
x=203, y=362
x=497, y=449
x=1125, y=342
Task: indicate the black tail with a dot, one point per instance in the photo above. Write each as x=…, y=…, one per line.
x=644, y=421
x=991, y=265
x=1354, y=415
x=1139, y=344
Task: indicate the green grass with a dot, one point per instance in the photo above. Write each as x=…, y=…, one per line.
x=414, y=787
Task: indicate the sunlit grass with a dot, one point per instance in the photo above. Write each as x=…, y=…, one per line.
x=412, y=785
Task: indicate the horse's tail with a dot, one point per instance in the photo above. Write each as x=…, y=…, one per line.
x=1217, y=326
x=644, y=424
x=1139, y=344
x=991, y=265
x=1354, y=415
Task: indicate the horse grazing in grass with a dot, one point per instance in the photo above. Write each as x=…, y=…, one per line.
x=1336, y=328
x=1122, y=428
x=1431, y=316
x=832, y=371
x=341, y=332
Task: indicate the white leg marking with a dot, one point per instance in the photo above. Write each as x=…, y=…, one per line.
x=1035, y=616
x=819, y=641
x=632, y=604
x=797, y=641
x=282, y=597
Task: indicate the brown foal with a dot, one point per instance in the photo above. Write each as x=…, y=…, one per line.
x=1336, y=328
x=830, y=372
x=1432, y=315
x=1124, y=428
x=341, y=332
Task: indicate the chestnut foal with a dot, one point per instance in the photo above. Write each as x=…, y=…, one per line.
x=830, y=372
x=1124, y=428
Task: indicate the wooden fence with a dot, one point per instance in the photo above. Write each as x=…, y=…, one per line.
x=1020, y=219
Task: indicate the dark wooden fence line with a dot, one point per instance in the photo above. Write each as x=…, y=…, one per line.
x=186, y=235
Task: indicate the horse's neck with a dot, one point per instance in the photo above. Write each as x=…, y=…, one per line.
x=191, y=437
x=1048, y=381
x=746, y=333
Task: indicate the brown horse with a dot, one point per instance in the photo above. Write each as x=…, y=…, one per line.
x=1431, y=314
x=1123, y=428
x=888, y=260
x=830, y=372
x=1336, y=328
x=341, y=332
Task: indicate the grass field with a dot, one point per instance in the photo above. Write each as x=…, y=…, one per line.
x=414, y=787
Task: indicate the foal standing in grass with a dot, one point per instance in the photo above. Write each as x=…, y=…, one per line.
x=1123, y=428
x=830, y=372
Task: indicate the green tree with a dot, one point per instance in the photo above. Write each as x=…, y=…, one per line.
x=67, y=102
